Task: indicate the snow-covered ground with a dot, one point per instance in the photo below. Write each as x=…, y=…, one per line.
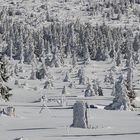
x=54, y=123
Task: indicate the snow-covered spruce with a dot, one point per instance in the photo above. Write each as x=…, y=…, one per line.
x=33, y=75
x=74, y=60
x=80, y=72
x=4, y=75
x=82, y=79
x=67, y=77
x=121, y=100
x=40, y=73
x=97, y=88
x=64, y=91
x=80, y=115
x=89, y=91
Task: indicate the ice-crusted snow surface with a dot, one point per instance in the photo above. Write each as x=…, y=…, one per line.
x=54, y=123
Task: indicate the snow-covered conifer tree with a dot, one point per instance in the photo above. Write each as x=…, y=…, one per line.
x=118, y=58
x=55, y=61
x=130, y=65
x=21, y=47
x=74, y=60
x=80, y=71
x=64, y=91
x=4, y=89
x=136, y=43
x=95, y=86
x=33, y=73
x=121, y=100
x=86, y=55
x=82, y=79
x=67, y=77
x=89, y=91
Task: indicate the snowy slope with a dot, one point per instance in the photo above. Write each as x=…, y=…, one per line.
x=54, y=123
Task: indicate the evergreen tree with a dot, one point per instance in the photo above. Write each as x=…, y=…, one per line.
x=4, y=89
x=89, y=91
x=136, y=43
x=121, y=100
x=130, y=65
x=64, y=91
x=118, y=58
x=67, y=78
x=33, y=73
x=82, y=80
x=74, y=60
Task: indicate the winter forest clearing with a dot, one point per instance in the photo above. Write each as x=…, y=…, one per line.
x=69, y=69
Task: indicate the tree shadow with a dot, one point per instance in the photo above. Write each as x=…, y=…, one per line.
x=101, y=135
x=30, y=129
x=98, y=135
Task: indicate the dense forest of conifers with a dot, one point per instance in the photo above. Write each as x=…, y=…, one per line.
x=22, y=40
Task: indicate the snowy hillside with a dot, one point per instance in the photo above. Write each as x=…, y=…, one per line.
x=58, y=54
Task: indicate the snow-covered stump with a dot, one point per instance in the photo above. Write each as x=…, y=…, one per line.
x=80, y=115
